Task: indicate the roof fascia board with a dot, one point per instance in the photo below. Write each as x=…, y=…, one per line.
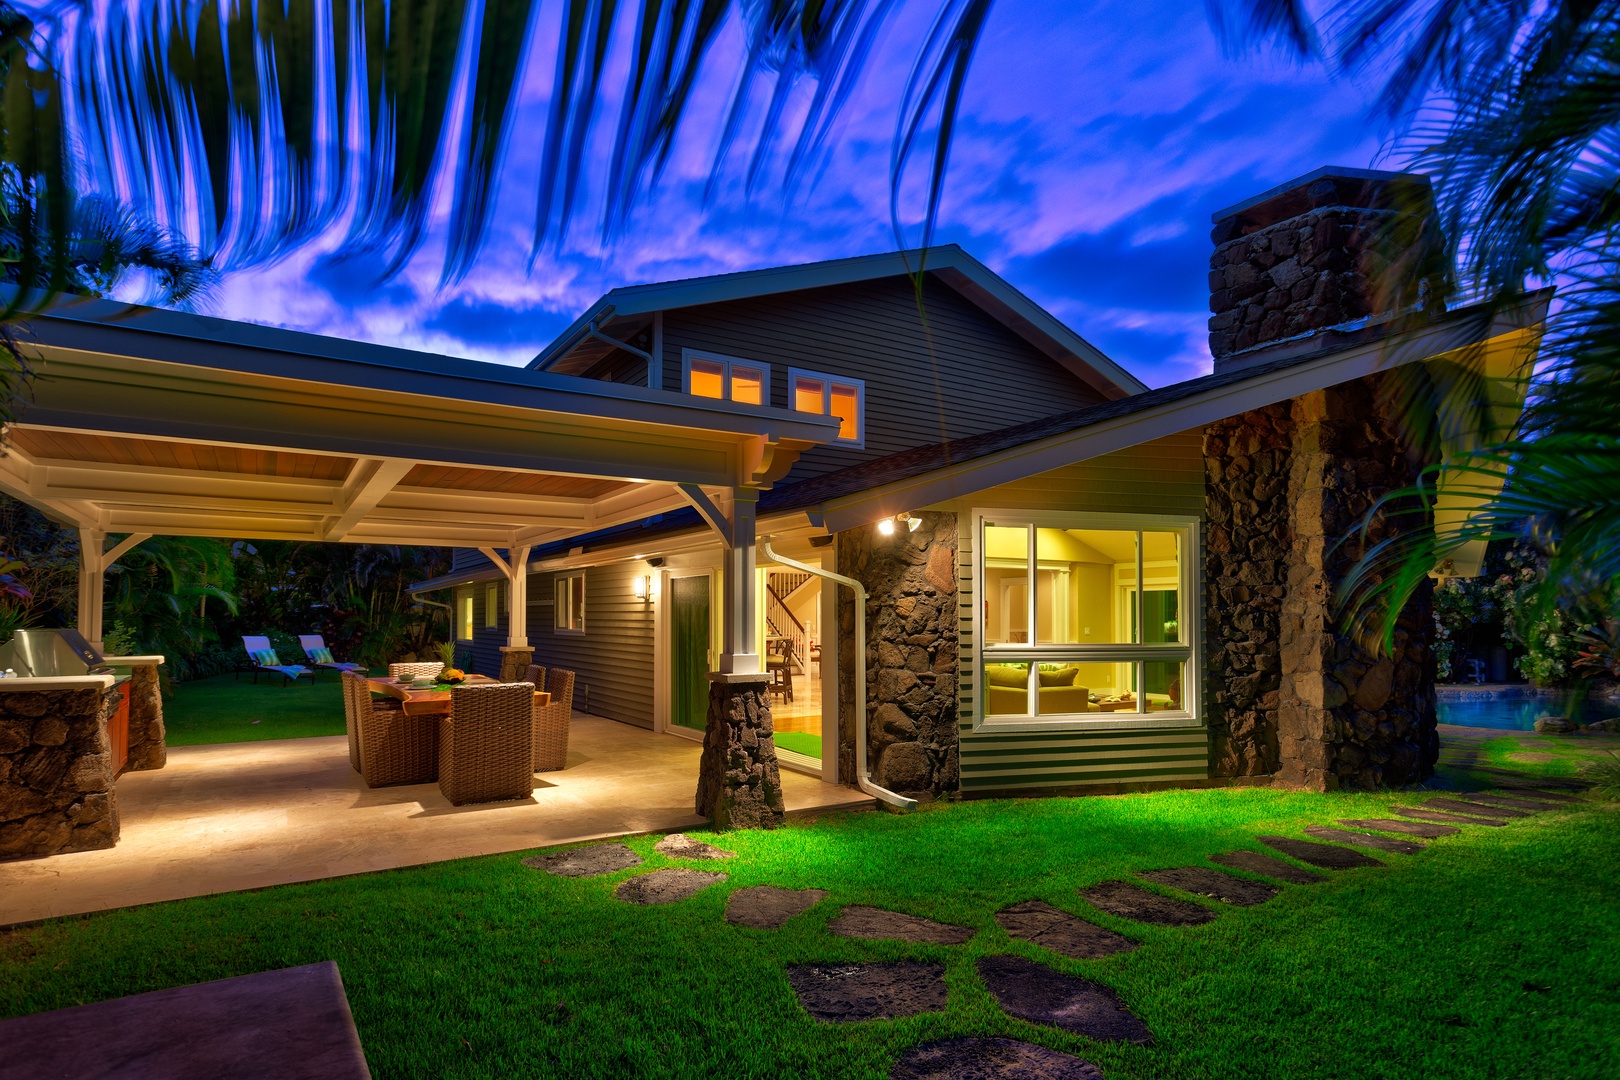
x=1233, y=399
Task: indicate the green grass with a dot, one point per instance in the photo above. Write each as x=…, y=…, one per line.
x=800, y=742
x=226, y=709
x=1489, y=954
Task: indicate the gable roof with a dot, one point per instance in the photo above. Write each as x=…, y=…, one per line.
x=949, y=263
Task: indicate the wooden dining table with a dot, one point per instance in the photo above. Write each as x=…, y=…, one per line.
x=435, y=697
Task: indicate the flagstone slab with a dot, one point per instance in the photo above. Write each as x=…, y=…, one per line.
x=1410, y=828
x=1256, y=863
x=1212, y=883
x=1556, y=795
x=990, y=1059
x=843, y=993
x=680, y=846
x=1458, y=806
x=666, y=886
x=1134, y=902
x=1036, y=993
x=586, y=861
x=1327, y=856
x=1364, y=839
x=859, y=921
x=1039, y=923
x=766, y=907
x=1436, y=815
x=291, y=1024
x=1533, y=803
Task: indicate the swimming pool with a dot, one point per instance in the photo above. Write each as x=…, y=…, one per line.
x=1516, y=713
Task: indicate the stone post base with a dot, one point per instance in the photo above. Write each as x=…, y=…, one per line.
x=739, y=785
x=515, y=660
x=148, y=746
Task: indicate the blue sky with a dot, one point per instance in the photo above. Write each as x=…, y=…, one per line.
x=1096, y=140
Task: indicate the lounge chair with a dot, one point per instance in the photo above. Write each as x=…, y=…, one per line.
x=486, y=744
x=320, y=657
x=261, y=657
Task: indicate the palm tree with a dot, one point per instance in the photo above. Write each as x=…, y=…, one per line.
x=1512, y=105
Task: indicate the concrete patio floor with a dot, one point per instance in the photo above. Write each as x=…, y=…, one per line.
x=246, y=815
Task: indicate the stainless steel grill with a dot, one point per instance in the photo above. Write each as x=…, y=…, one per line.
x=45, y=653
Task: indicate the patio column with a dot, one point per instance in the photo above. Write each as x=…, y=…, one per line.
x=740, y=589
x=516, y=654
x=93, y=564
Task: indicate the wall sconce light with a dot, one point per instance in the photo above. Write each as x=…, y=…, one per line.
x=643, y=587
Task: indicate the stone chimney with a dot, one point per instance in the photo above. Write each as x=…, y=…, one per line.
x=1334, y=249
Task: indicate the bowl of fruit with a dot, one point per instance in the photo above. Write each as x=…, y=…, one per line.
x=452, y=676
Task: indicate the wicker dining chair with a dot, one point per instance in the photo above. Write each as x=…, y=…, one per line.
x=394, y=748
x=551, y=721
x=407, y=671
x=486, y=743
x=535, y=675
x=350, y=681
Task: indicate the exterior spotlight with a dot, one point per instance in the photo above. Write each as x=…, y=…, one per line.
x=886, y=527
x=911, y=522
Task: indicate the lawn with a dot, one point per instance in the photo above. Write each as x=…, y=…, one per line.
x=1489, y=954
x=227, y=709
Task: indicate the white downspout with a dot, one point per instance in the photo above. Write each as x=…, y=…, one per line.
x=861, y=780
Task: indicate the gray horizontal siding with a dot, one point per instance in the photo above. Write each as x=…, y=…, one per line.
x=962, y=374
x=613, y=659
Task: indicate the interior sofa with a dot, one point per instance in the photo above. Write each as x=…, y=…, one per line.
x=1059, y=692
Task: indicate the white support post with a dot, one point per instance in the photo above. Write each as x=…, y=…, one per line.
x=93, y=564
x=517, y=598
x=740, y=590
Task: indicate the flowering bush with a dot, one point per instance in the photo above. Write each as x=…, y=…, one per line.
x=1500, y=603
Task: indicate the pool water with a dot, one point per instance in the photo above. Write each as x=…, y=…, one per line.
x=1516, y=714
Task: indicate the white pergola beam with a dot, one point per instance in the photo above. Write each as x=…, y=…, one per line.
x=369, y=480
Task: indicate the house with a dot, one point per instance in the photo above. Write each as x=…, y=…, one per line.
x=1072, y=582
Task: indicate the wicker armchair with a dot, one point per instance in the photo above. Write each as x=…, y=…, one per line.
x=407, y=671
x=394, y=748
x=486, y=744
x=535, y=675
x=551, y=721
x=351, y=684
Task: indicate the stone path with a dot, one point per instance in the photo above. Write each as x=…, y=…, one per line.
x=586, y=861
x=1436, y=815
x=984, y=1059
x=1256, y=863
x=1036, y=993
x=1134, y=902
x=1212, y=883
x=859, y=921
x=1040, y=923
x=766, y=907
x=1327, y=856
x=846, y=992
x=1410, y=828
x=1458, y=806
x=666, y=886
x=1532, y=802
x=680, y=846
x=1365, y=839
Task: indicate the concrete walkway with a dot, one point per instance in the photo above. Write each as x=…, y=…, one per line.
x=246, y=815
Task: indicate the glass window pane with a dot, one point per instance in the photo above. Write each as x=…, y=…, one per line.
x=1006, y=689
x=1084, y=586
x=1162, y=680
x=1006, y=585
x=808, y=396
x=577, y=602
x=846, y=406
x=708, y=379
x=1061, y=690
x=747, y=385
x=1161, y=596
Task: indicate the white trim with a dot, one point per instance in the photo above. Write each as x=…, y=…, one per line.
x=827, y=381
x=565, y=611
x=492, y=605
x=1187, y=651
x=727, y=363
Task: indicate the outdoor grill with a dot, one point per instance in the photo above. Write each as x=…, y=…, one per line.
x=46, y=653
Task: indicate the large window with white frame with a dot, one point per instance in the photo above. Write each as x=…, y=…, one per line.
x=831, y=395
x=464, y=615
x=570, y=603
x=1084, y=617
x=729, y=378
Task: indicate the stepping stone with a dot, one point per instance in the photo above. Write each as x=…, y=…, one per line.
x=1042, y=924
x=1410, y=828
x=666, y=886
x=846, y=992
x=858, y=921
x=291, y=1024
x=1516, y=779
x=1544, y=795
x=1530, y=802
x=766, y=907
x=586, y=861
x=1435, y=815
x=1036, y=993
x=1256, y=863
x=990, y=1059
x=680, y=846
x=1327, y=856
x=1134, y=902
x=1457, y=806
x=1364, y=839
x=1212, y=883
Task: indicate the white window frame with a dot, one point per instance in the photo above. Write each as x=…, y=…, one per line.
x=826, y=380
x=492, y=605
x=1188, y=650
x=464, y=615
x=564, y=617
x=688, y=355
